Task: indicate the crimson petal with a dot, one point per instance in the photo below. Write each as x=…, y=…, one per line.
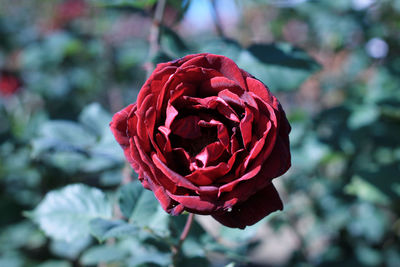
x=252, y=210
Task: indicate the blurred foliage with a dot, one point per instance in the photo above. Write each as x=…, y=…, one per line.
x=65, y=199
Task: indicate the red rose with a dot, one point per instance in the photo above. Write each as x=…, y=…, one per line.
x=68, y=11
x=208, y=138
x=9, y=83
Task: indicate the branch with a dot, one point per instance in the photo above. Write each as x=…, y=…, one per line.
x=176, y=249
x=217, y=19
x=154, y=36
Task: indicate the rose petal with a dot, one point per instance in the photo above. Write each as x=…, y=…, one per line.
x=149, y=120
x=142, y=130
x=195, y=203
x=234, y=142
x=262, y=91
x=180, y=161
x=260, y=145
x=232, y=98
x=222, y=131
x=210, y=153
x=207, y=175
x=119, y=125
x=174, y=177
x=155, y=82
x=211, y=102
x=183, y=88
x=171, y=114
x=191, y=75
x=162, y=139
x=275, y=165
x=162, y=197
x=215, y=85
x=252, y=210
x=228, y=68
x=246, y=125
x=187, y=127
x=229, y=186
x=149, y=167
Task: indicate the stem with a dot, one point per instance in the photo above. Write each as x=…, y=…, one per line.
x=154, y=37
x=186, y=229
x=176, y=249
x=217, y=19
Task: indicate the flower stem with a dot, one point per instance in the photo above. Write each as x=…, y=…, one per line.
x=176, y=249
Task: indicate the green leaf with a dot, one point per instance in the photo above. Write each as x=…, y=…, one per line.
x=55, y=263
x=65, y=214
x=279, y=66
x=103, y=254
x=95, y=118
x=369, y=256
x=142, y=208
x=368, y=221
x=226, y=47
x=194, y=261
x=69, y=250
x=70, y=146
x=104, y=229
x=62, y=136
x=172, y=43
x=145, y=208
x=111, y=178
x=129, y=194
x=362, y=116
x=283, y=54
x=385, y=178
x=365, y=191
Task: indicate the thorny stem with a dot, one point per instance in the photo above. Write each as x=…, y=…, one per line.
x=176, y=249
x=154, y=37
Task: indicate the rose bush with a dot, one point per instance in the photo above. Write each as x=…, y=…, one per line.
x=207, y=137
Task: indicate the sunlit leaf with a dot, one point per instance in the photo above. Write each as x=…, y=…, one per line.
x=103, y=254
x=366, y=191
x=65, y=214
x=103, y=229
x=142, y=208
x=279, y=66
x=55, y=263
x=95, y=118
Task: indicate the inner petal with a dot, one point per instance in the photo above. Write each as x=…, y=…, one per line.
x=210, y=153
x=209, y=103
x=246, y=126
x=187, y=127
x=193, y=142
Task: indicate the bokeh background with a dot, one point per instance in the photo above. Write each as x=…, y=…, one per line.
x=67, y=66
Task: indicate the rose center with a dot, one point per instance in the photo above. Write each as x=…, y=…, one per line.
x=206, y=136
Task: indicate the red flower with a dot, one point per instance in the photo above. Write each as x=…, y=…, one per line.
x=9, y=83
x=208, y=138
x=69, y=10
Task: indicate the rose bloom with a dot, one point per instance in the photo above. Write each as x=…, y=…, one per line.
x=9, y=83
x=208, y=138
x=69, y=10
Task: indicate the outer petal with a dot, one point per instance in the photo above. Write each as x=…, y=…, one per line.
x=262, y=91
x=224, y=65
x=119, y=125
x=253, y=210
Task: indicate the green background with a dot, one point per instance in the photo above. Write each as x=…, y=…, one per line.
x=334, y=66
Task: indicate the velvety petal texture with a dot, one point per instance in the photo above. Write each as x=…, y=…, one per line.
x=208, y=138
